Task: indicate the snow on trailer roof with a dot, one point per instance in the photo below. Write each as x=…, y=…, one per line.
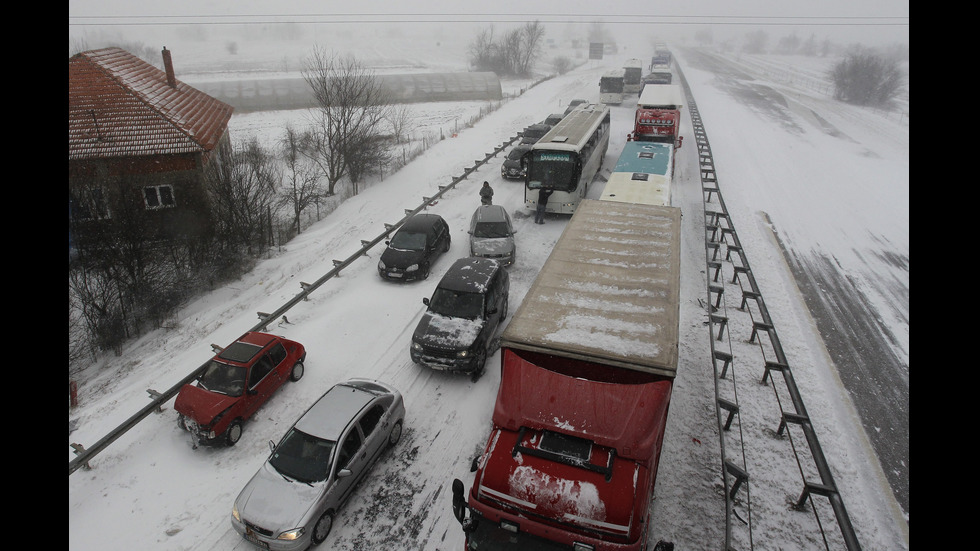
x=609, y=291
x=660, y=95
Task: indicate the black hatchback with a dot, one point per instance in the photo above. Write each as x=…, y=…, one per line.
x=413, y=248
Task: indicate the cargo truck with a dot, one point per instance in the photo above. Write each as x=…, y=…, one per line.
x=587, y=368
x=658, y=115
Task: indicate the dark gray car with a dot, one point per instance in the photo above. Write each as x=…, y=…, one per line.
x=515, y=165
x=291, y=501
x=533, y=133
x=457, y=330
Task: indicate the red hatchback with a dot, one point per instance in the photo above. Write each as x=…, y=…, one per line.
x=235, y=383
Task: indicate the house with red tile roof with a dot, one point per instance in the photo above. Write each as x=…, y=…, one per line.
x=139, y=144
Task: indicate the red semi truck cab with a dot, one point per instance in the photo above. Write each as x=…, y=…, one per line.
x=571, y=460
x=658, y=114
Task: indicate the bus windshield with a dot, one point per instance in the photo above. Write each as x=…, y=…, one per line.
x=555, y=170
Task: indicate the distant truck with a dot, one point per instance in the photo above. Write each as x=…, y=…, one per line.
x=658, y=115
x=661, y=57
x=587, y=368
x=632, y=76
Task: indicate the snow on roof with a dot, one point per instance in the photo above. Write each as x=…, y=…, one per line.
x=121, y=106
x=609, y=291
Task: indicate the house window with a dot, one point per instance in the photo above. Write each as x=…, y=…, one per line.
x=89, y=204
x=159, y=197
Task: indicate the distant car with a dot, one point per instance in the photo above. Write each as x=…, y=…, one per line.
x=554, y=119
x=533, y=133
x=492, y=234
x=515, y=167
x=464, y=313
x=414, y=247
x=573, y=104
x=291, y=502
x=234, y=384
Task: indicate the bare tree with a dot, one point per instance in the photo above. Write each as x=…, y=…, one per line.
x=515, y=54
x=242, y=187
x=302, y=182
x=484, y=54
x=532, y=34
x=401, y=118
x=352, y=106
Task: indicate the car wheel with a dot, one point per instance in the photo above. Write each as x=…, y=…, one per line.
x=234, y=432
x=297, y=372
x=481, y=366
x=322, y=528
x=448, y=244
x=395, y=435
x=503, y=311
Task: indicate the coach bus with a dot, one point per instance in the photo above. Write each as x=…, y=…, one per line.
x=611, y=87
x=567, y=158
x=632, y=76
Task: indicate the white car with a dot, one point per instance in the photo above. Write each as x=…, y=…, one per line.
x=291, y=501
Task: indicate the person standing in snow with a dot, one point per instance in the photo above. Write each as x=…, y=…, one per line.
x=543, y=196
x=486, y=194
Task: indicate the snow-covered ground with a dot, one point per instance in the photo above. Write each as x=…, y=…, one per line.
x=151, y=490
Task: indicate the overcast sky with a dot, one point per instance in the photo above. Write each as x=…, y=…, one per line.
x=881, y=21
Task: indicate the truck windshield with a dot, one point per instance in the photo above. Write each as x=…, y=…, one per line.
x=555, y=170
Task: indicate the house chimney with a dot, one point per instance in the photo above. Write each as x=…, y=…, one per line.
x=168, y=66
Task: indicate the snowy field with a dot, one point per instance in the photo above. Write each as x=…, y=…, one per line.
x=151, y=490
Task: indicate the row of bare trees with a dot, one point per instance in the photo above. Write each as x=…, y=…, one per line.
x=512, y=54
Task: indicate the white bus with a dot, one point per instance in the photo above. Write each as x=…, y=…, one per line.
x=567, y=159
x=642, y=174
x=611, y=87
x=632, y=76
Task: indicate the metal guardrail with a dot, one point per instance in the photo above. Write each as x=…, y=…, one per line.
x=720, y=235
x=84, y=455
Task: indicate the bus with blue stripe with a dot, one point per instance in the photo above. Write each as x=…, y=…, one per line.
x=642, y=174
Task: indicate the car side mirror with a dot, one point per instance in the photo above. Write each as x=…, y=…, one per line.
x=425, y=301
x=343, y=473
x=272, y=446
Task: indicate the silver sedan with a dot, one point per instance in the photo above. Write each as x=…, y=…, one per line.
x=291, y=501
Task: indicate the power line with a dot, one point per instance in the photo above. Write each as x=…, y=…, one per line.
x=361, y=18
